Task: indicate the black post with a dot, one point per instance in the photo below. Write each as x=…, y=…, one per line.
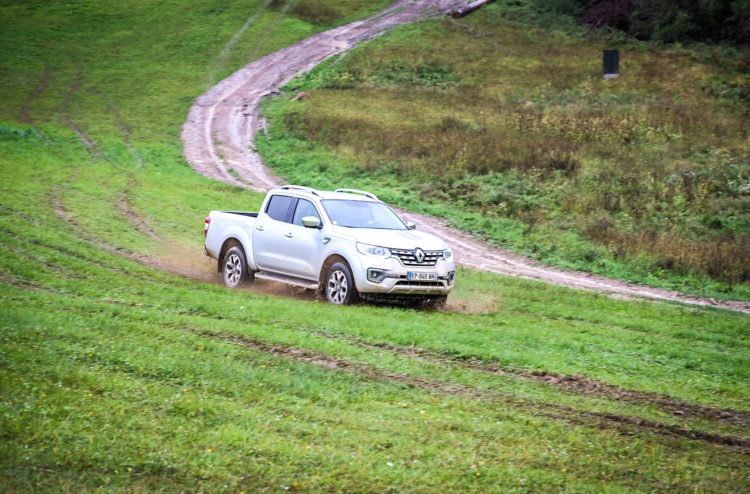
x=611, y=64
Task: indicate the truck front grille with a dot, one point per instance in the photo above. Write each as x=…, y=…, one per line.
x=409, y=257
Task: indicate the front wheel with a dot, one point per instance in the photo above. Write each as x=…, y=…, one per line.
x=339, y=285
x=234, y=267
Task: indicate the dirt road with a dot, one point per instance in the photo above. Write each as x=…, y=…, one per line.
x=219, y=134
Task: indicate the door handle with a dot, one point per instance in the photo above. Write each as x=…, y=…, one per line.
x=259, y=228
x=289, y=235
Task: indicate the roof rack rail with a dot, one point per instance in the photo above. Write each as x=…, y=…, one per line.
x=300, y=187
x=361, y=192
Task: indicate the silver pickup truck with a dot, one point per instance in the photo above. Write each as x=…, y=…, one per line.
x=345, y=243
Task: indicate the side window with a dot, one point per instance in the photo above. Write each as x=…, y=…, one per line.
x=304, y=208
x=278, y=207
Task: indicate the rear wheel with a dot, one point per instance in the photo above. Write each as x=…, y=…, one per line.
x=234, y=267
x=339, y=285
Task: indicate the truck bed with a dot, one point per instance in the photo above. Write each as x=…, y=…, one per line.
x=242, y=213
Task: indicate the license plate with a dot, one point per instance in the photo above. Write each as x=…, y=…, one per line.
x=422, y=276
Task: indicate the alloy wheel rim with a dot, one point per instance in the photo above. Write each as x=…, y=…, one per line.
x=337, y=287
x=233, y=270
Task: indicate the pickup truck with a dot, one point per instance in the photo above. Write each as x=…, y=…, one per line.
x=346, y=244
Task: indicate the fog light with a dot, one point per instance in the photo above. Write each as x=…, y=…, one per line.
x=451, y=277
x=375, y=275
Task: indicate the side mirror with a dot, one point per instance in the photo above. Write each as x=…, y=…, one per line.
x=411, y=226
x=311, y=222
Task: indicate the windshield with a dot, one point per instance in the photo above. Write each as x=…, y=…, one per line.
x=362, y=214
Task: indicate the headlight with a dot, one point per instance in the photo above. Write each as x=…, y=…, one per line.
x=447, y=254
x=373, y=250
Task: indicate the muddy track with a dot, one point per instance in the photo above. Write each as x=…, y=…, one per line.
x=221, y=126
x=602, y=420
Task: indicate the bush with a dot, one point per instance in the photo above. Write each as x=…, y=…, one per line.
x=671, y=21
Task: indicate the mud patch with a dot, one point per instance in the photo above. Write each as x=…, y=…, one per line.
x=479, y=305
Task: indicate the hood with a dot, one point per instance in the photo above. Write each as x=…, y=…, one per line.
x=393, y=239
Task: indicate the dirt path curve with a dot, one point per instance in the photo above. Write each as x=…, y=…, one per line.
x=220, y=130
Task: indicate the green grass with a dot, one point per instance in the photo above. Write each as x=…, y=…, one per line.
x=118, y=376
x=511, y=132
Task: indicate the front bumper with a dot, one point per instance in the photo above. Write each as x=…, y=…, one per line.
x=388, y=276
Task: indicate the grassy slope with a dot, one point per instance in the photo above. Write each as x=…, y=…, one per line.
x=512, y=133
x=115, y=375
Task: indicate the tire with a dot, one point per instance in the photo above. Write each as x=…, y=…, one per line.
x=234, y=267
x=338, y=285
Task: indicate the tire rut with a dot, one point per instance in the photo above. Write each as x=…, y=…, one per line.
x=181, y=260
x=25, y=115
x=577, y=384
x=602, y=420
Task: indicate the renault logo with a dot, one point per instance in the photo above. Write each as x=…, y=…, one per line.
x=419, y=255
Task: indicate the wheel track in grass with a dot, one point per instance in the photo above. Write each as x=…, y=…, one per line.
x=624, y=424
x=571, y=383
x=219, y=133
x=602, y=420
x=182, y=260
x=25, y=111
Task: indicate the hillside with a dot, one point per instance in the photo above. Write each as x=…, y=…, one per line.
x=513, y=134
x=126, y=366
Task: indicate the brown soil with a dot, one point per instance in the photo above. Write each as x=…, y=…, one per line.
x=221, y=127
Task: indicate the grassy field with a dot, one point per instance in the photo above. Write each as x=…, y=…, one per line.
x=511, y=132
x=119, y=375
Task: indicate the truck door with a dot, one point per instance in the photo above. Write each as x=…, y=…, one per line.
x=269, y=239
x=304, y=244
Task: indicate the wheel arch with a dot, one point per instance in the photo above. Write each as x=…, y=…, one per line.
x=352, y=295
x=228, y=244
x=331, y=260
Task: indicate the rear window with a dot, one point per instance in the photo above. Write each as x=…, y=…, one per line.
x=278, y=207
